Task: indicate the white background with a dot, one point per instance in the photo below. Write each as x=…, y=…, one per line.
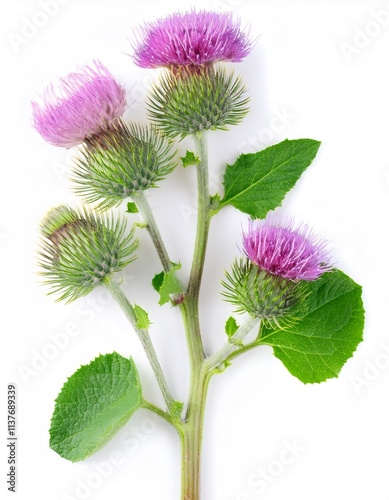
x=313, y=66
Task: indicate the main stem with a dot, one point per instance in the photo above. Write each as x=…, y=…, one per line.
x=191, y=435
x=143, y=335
x=191, y=438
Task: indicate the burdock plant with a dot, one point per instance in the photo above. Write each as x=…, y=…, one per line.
x=285, y=287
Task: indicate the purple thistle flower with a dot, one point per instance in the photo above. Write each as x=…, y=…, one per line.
x=86, y=103
x=191, y=39
x=290, y=252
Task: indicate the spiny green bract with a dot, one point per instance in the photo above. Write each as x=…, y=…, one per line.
x=79, y=249
x=192, y=103
x=262, y=294
x=119, y=162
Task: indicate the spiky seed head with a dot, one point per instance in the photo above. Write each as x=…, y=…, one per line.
x=120, y=162
x=261, y=294
x=191, y=39
x=212, y=100
x=79, y=249
x=83, y=104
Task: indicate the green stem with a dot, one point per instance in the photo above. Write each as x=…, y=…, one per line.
x=192, y=431
x=190, y=307
x=144, y=208
x=203, y=217
x=191, y=435
x=191, y=438
x=146, y=212
x=231, y=349
x=200, y=371
x=143, y=335
x=177, y=424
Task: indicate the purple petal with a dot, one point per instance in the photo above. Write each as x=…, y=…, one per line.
x=191, y=38
x=291, y=252
x=85, y=103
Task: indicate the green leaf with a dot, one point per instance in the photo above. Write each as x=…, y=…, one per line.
x=132, y=208
x=94, y=403
x=231, y=326
x=142, y=318
x=169, y=286
x=157, y=281
x=258, y=182
x=326, y=333
x=190, y=159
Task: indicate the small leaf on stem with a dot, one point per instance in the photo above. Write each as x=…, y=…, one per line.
x=231, y=326
x=142, y=318
x=132, y=208
x=215, y=202
x=158, y=280
x=176, y=409
x=190, y=159
x=169, y=286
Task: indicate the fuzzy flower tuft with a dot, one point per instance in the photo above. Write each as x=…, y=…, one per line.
x=85, y=103
x=285, y=250
x=80, y=249
x=191, y=39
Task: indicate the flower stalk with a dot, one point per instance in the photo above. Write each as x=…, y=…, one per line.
x=203, y=217
x=143, y=205
x=143, y=335
x=233, y=347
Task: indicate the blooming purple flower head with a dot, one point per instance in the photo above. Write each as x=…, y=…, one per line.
x=191, y=39
x=290, y=252
x=85, y=103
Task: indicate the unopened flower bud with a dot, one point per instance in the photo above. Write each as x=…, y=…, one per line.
x=261, y=294
x=182, y=105
x=119, y=162
x=79, y=249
